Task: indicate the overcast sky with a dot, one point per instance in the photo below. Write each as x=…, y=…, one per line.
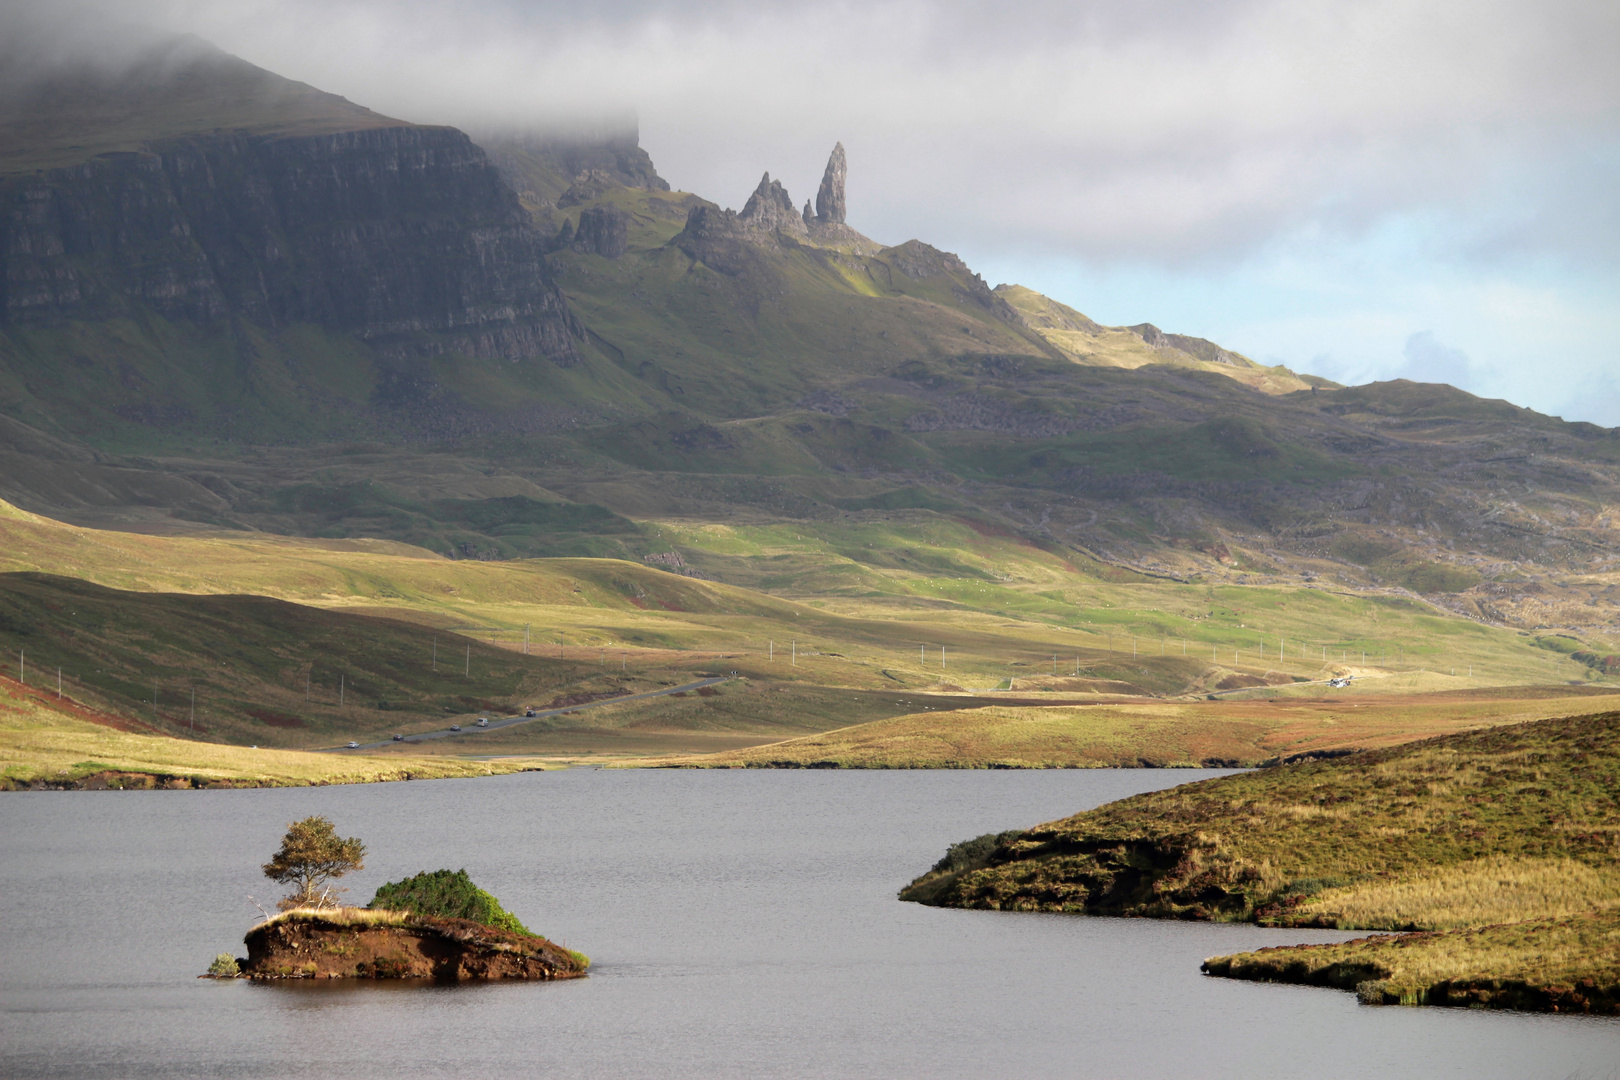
x=1357, y=189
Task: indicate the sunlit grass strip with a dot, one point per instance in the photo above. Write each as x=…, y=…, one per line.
x=1497, y=889
x=1564, y=964
x=40, y=745
x=340, y=916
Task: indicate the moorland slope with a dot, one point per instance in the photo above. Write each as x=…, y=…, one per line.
x=568, y=358
x=1513, y=825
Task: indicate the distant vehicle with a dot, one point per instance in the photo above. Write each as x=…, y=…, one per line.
x=529, y=711
x=1341, y=683
x=354, y=746
x=455, y=727
x=483, y=721
x=399, y=738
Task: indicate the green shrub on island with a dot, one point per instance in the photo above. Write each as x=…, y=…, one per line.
x=224, y=967
x=447, y=894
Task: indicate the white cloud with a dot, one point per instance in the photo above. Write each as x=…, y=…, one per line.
x=1168, y=131
x=1297, y=180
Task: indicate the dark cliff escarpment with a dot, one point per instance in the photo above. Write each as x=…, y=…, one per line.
x=404, y=235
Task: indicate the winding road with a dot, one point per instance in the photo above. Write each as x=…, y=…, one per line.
x=513, y=721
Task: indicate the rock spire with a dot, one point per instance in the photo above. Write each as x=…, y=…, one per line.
x=830, y=199
x=770, y=207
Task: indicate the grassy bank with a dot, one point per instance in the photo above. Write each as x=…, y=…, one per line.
x=1128, y=734
x=1566, y=964
x=1515, y=823
x=45, y=744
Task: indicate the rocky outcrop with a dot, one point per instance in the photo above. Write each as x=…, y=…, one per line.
x=919, y=262
x=1204, y=350
x=302, y=945
x=603, y=230
x=770, y=209
x=830, y=197
x=404, y=235
x=611, y=151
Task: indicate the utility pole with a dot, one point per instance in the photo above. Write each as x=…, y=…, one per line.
x=525, y=639
x=1054, y=665
x=58, y=684
x=795, y=652
x=922, y=655
x=435, y=652
x=771, y=651
x=942, y=658
x=624, y=661
x=467, y=671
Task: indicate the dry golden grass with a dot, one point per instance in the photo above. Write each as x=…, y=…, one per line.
x=1563, y=964
x=1496, y=889
x=339, y=916
x=1161, y=734
x=41, y=745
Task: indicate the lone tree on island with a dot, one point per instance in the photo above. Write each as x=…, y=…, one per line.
x=311, y=855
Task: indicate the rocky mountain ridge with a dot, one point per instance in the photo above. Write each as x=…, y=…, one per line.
x=192, y=325
x=405, y=235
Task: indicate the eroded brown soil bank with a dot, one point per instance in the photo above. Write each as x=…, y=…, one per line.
x=312, y=947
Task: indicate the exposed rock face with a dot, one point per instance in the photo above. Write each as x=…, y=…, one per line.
x=770, y=209
x=612, y=152
x=918, y=261
x=442, y=949
x=405, y=235
x=1203, y=349
x=604, y=231
x=830, y=199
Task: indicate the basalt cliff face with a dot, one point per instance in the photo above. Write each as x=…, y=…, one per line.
x=404, y=235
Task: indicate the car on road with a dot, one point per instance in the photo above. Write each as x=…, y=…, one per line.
x=399, y=738
x=483, y=721
x=353, y=746
x=529, y=711
x=455, y=727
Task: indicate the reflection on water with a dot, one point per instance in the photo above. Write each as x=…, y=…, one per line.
x=743, y=924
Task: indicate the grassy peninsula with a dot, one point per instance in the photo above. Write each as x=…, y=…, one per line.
x=1513, y=827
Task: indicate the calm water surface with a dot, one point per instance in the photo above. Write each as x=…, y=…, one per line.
x=743, y=924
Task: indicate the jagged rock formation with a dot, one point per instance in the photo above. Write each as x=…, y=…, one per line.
x=712, y=235
x=404, y=234
x=770, y=209
x=830, y=198
x=603, y=230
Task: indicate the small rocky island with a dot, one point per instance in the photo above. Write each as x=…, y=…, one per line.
x=363, y=943
x=436, y=925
